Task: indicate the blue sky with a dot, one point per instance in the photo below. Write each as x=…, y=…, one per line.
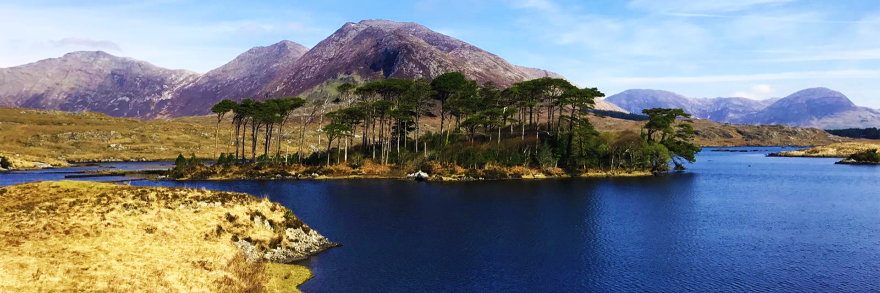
x=699, y=48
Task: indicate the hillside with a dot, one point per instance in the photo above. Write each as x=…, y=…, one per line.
x=815, y=107
x=92, y=81
x=57, y=137
x=243, y=77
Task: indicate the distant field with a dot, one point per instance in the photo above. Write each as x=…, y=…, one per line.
x=57, y=137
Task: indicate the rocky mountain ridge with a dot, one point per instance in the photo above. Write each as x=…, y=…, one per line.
x=814, y=107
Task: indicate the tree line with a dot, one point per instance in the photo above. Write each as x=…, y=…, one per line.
x=537, y=123
x=867, y=133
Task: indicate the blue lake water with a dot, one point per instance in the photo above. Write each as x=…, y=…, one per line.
x=17, y=177
x=732, y=222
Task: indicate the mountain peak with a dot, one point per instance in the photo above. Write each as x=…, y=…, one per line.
x=290, y=45
x=818, y=97
x=88, y=54
x=381, y=49
x=819, y=93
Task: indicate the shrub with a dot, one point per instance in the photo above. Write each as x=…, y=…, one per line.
x=4, y=163
x=869, y=156
x=356, y=159
x=546, y=157
x=221, y=160
x=193, y=161
x=180, y=162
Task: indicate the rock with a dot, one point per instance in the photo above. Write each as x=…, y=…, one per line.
x=41, y=165
x=419, y=176
x=299, y=245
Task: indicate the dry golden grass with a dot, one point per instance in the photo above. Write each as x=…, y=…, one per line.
x=837, y=150
x=57, y=137
x=71, y=236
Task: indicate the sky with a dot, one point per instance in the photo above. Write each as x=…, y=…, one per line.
x=699, y=48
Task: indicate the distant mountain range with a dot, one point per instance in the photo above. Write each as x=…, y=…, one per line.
x=815, y=107
x=365, y=51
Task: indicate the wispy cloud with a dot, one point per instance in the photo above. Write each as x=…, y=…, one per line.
x=87, y=43
x=702, y=5
x=868, y=54
x=796, y=19
x=832, y=74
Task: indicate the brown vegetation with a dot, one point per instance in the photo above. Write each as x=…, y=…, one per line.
x=57, y=137
x=713, y=134
x=836, y=150
x=77, y=236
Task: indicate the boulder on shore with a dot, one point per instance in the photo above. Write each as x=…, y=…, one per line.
x=419, y=176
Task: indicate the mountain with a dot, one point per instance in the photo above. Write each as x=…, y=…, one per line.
x=729, y=109
x=243, y=77
x=636, y=100
x=535, y=73
x=380, y=49
x=815, y=107
x=365, y=51
x=92, y=81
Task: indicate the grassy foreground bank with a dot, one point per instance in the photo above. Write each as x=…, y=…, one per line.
x=83, y=236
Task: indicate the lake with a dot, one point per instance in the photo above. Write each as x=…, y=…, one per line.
x=732, y=222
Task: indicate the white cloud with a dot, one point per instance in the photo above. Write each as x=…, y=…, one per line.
x=702, y=5
x=758, y=92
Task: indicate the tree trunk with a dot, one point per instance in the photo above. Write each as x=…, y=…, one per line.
x=280, y=136
x=418, y=128
x=302, y=134
x=254, y=135
x=216, y=136
x=329, y=141
x=237, y=132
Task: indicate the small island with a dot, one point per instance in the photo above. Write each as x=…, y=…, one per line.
x=868, y=157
